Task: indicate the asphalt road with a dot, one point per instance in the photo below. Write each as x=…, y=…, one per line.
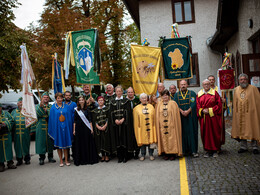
x=134, y=177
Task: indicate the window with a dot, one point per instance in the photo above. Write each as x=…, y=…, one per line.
x=183, y=11
x=195, y=81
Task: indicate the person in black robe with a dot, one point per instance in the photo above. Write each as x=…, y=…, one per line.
x=101, y=129
x=110, y=94
x=85, y=148
x=134, y=101
x=122, y=135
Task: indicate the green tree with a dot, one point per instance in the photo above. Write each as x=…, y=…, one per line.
x=11, y=37
x=62, y=16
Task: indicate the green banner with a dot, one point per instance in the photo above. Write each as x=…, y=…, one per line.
x=86, y=55
x=177, y=58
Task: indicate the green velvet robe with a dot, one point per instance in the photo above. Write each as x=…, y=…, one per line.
x=190, y=123
x=43, y=143
x=6, y=152
x=21, y=135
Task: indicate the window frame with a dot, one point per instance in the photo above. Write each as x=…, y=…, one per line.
x=196, y=64
x=183, y=12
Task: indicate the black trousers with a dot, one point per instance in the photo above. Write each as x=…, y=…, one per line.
x=43, y=156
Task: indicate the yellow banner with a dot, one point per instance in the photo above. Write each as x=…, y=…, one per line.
x=145, y=68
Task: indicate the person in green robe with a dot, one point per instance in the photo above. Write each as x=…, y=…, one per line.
x=186, y=100
x=134, y=101
x=21, y=136
x=90, y=97
x=43, y=143
x=6, y=152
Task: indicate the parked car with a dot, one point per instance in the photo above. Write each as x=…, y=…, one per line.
x=9, y=107
x=11, y=97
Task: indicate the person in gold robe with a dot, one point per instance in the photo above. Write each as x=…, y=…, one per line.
x=246, y=114
x=144, y=126
x=168, y=127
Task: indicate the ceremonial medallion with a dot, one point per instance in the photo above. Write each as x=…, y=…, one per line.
x=62, y=118
x=165, y=113
x=145, y=110
x=242, y=95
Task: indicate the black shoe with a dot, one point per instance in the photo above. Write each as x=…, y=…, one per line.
x=255, y=151
x=136, y=156
x=41, y=162
x=11, y=166
x=52, y=160
x=19, y=163
x=27, y=162
x=120, y=160
x=241, y=150
x=2, y=168
x=125, y=160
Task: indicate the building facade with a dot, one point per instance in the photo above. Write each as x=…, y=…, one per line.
x=216, y=26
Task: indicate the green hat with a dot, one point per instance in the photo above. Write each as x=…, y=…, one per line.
x=1, y=105
x=45, y=93
x=20, y=99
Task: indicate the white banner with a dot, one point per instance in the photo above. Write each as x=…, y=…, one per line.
x=28, y=108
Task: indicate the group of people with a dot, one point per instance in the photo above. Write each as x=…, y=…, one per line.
x=98, y=128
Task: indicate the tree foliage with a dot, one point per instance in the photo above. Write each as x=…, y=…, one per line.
x=62, y=16
x=11, y=38
x=58, y=18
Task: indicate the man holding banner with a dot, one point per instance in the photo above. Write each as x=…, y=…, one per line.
x=43, y=143
x=186, y=100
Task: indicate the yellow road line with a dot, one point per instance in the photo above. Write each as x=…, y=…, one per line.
x=183, y=177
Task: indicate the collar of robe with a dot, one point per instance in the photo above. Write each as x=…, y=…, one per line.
x=102, y=107
x=202, y=92
x=117, y=98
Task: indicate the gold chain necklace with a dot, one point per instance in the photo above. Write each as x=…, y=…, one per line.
x=62, y=117
x=184, y=97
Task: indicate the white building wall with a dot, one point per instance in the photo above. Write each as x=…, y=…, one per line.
x=156, y=21
x=248, y=9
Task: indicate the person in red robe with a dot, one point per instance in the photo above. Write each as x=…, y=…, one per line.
x=209, y=109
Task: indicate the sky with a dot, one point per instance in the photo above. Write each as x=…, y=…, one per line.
x=29, y=11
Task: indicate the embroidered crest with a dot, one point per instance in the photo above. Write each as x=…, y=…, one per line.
x=192, y=99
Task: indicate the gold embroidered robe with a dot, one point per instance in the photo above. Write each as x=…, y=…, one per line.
x=168, y=129
x=246, y=113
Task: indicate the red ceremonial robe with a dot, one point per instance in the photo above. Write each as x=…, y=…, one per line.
x=210, y=124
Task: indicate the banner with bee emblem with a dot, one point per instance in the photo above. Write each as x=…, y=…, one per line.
x=82, y=49
x=145, y=68
x=177, y=58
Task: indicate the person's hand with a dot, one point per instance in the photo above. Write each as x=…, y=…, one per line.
x=91, y=100
x=205, y=110
x=117, y=122
x=223, y=100
x=92, y=131
x=74, y=132
x=41, y=103
x=122, y=120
